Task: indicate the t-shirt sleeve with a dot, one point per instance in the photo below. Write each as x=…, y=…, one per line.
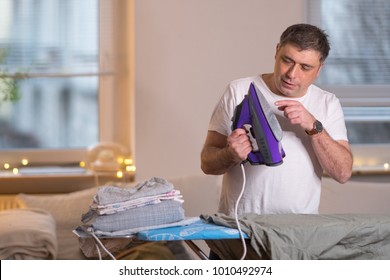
x=221, y=118
x=335, y=122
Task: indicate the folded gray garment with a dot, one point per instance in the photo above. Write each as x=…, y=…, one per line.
x=312, y=236
x=166, y=212
x=114, y=194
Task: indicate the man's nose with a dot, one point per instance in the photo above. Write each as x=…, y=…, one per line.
x=292, y=71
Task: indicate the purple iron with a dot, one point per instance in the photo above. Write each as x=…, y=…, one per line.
x=255, y=115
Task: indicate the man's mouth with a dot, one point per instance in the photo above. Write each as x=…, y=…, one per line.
x=288, y=84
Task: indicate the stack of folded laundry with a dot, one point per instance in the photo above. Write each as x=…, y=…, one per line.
x=123, y=210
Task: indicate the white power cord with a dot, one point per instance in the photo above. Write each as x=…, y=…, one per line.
x=98, y=243
x=102, y=246
x=236, y=213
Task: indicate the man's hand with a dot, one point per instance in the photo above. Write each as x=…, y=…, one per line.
x=296, y=113
x=220, y=152
x=239, y=144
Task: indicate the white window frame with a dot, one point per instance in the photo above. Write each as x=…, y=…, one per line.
x=368, y=158
x=116, y=91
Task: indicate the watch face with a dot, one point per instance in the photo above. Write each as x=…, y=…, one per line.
x=318, y=126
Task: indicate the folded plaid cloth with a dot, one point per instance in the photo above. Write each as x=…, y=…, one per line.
x=162, y=213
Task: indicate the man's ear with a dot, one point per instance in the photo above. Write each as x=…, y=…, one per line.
x=319, y=69
x=277, y=49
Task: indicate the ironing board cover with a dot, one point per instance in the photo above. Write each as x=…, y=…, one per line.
x=198, y=230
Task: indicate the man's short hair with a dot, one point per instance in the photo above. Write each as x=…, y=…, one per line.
x=307, y=37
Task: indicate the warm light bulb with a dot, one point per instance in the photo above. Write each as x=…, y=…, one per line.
x=130, y=168
x=82, y=164
x=6, y=165
x=119, y=174
x=386, y=166
x=128, y=161
x=24, y=161
x=15, y=171
x=120, y=160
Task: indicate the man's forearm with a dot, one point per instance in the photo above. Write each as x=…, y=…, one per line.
x=334, y=157
x=216, y=161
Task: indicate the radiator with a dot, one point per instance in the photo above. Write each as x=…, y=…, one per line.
x=8, y=202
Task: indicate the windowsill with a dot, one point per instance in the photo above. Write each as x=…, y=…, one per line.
x=370, y=170
x=52, y=170
x=47, y=181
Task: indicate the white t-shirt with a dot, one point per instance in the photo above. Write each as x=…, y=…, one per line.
x=295, y=185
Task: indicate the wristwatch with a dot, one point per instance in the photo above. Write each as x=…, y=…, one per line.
x=317, y=128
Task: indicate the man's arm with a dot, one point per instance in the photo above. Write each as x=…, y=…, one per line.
x=335, y=157
x=220, y=153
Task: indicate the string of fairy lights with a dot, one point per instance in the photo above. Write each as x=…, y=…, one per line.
x=15, y=170
x=124, y=166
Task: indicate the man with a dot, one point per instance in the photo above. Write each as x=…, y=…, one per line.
x=314, y=133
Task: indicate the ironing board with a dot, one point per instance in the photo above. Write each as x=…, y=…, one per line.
x=196, y=230
x=285, y=236
x=199, y=230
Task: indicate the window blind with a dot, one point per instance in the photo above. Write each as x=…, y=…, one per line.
x=359, y=33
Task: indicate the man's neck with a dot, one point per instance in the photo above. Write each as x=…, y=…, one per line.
x=268, y=79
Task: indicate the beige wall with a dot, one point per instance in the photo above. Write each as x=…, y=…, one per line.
x=186, y=51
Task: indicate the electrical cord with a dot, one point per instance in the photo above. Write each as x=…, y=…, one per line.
x=236, y=212
x=102, y=246
x=98, y=243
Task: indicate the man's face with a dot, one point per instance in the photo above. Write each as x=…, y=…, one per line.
x=295, y=70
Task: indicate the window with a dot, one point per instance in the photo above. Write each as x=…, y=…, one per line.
x=60, y=78
x=358, y=69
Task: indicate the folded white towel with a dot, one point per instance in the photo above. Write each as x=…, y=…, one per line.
x=27, y=234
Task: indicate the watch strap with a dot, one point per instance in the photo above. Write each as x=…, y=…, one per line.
x=317, y=128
